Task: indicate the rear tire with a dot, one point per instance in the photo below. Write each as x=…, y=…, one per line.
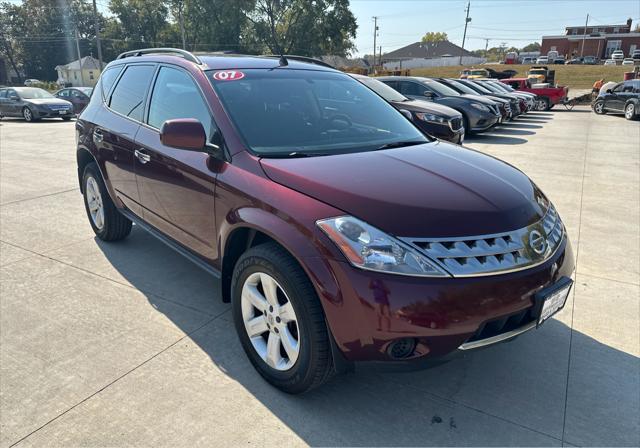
x=543, y=104
x=106, y=221
x=28, y=115
x=630, y=111
x=313, y=363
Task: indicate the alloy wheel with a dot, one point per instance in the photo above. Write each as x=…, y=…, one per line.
x=27, y=114
x=599, y=107
x=270, y=321
x=629, y=111
x=94, y=202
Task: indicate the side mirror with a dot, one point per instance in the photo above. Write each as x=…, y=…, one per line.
x=406, y=114
x=429, y=94
x=608, y=91
x=183, y=133
x=14, y=98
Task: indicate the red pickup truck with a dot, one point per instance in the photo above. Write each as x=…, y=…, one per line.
x=547, y=96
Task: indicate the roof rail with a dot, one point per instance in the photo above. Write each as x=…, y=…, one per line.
x=185, y=54
x=302, y=59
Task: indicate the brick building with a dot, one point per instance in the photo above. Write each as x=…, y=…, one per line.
x=599, y=41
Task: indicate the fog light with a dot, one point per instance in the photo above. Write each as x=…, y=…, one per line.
x=402, y=348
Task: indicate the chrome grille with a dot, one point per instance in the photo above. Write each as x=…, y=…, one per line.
x=497, y=253
x=455, y=123
x=58, y=107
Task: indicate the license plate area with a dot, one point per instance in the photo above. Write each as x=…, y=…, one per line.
x=552, y=299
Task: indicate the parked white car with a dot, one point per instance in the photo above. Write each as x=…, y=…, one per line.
x=31, y=82
x=542, y=60
x=610, y=62
x=628, y=61
x=617, y=55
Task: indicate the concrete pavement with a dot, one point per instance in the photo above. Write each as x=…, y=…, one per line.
x=129, y=344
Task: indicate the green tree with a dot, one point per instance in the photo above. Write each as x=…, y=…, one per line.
x=141, y=21
x=432, y=37
x=40, y=34
x=535, y=46
x=304, y=27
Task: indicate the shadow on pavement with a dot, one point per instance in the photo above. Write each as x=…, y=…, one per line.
x=494, y=139
x=472, y=400
x=520, y=125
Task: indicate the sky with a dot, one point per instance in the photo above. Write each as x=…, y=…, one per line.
x=514, y=22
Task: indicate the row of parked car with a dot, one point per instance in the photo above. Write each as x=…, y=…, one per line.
x=34, y=103
x=450, y=108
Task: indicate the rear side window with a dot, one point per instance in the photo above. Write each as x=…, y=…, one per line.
x=128, y=96
x=107, y=79
x=175, y=95
x=3, y=93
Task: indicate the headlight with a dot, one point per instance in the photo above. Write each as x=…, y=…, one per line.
x=481, y=107
x=369, y=248
x=431, y=118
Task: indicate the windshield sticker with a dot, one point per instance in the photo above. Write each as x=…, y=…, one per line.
x=228, y=75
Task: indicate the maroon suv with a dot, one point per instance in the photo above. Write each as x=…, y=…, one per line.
x=340, y=232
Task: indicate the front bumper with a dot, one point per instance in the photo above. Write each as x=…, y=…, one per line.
x=484, y=122
x=442, y=131
x=49, y=113
x=442, y=315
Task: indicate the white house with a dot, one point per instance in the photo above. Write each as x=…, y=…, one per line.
x=83, y=73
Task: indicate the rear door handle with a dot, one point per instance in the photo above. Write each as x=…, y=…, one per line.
x=142, y=157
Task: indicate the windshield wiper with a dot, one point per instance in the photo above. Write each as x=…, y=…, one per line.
x=295, y=154
x=400, y=144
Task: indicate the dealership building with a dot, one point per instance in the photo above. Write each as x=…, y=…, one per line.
x=597, y=40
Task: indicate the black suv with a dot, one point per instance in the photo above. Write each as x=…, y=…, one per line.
x=623, y=99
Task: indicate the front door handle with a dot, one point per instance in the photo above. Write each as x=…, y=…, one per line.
x=142, y=156
x=97, y=136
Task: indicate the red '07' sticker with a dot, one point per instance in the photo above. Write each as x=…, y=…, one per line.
x=228, y=75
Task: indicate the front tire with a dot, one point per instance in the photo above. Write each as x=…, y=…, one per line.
x=630, y=111
x=279, y=320
x=106, y=221
x=598, y=107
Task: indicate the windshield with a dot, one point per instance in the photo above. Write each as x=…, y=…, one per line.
x=30, y=93
x=463, y=87
x=478, y=72
x=481, y=88
x=490, y=87
x=382, y=89
x=500, y=86
x=285, y=112
x=441, y=89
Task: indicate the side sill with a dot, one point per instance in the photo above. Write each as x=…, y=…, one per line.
x=172, y=244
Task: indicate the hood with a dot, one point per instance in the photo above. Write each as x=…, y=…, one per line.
x=48, y=102
x=427, y=106
x=431, y=190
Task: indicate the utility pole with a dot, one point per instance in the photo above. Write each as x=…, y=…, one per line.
x=181, y=22
x=97, y=27
x=486, y=47
x=375, y=34
x=380, y=58
x=79, y=56
x=464, y=36
x=584, y=35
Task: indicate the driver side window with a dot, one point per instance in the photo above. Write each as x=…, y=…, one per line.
x=175, y=95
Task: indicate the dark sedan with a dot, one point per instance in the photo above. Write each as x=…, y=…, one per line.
x=478, y=114
x=434, y=119
x=78, y=96
x=508, y=108
x=32, y=104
